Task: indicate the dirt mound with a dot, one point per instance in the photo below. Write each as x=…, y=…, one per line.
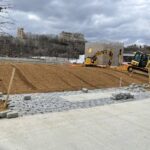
x=49, y=78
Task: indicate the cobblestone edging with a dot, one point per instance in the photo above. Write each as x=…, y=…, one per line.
x=52, y=102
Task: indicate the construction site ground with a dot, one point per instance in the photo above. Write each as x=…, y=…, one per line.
x=72, y=118
x=43, y=78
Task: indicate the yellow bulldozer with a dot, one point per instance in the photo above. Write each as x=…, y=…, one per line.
x=141, y=62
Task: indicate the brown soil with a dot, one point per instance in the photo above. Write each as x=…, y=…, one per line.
x=2, y=106
x=30, y=78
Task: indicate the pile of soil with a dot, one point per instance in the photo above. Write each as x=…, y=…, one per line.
x=34, y=78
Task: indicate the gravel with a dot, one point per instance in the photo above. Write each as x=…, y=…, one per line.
x=52, y=102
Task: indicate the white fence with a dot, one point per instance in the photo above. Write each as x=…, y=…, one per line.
x=46, y=60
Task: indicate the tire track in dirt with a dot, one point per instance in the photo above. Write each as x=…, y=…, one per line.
x=3, y=87
x=98, y=70
x=23, y=77
x=78, y=77
x=133, y=77
x=113, y=75
x=109, y=77
x=31, y=78
x=126, y=79
x=59, y=76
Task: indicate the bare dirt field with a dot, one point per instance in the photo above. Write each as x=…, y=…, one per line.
x=31, y=78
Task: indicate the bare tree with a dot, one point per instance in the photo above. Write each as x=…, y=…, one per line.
x=6, y=21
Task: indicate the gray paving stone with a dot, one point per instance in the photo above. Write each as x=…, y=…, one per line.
x=26, y=98
x=11, y=105
x=52, y=102
x=12, y=115
x=122, y=96
x=3, y=114
x=85, y=90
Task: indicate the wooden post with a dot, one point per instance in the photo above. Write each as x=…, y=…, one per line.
x=120, y=82
x=10, y=84
x=130, y=74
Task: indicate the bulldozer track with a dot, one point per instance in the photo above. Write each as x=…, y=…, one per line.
x=23, y=77
x=114, y=76
x=60, y=77
x=77, y=76
x=136, y=75
x=124, y=75
x=3, y=87
x=31, y=78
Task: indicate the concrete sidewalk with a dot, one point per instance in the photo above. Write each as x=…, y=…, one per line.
x=123, y=126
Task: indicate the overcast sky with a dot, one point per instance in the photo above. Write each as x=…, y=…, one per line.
x=116, y=20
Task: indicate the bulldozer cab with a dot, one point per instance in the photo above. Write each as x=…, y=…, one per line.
x=140, y=60
x=144, y=60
